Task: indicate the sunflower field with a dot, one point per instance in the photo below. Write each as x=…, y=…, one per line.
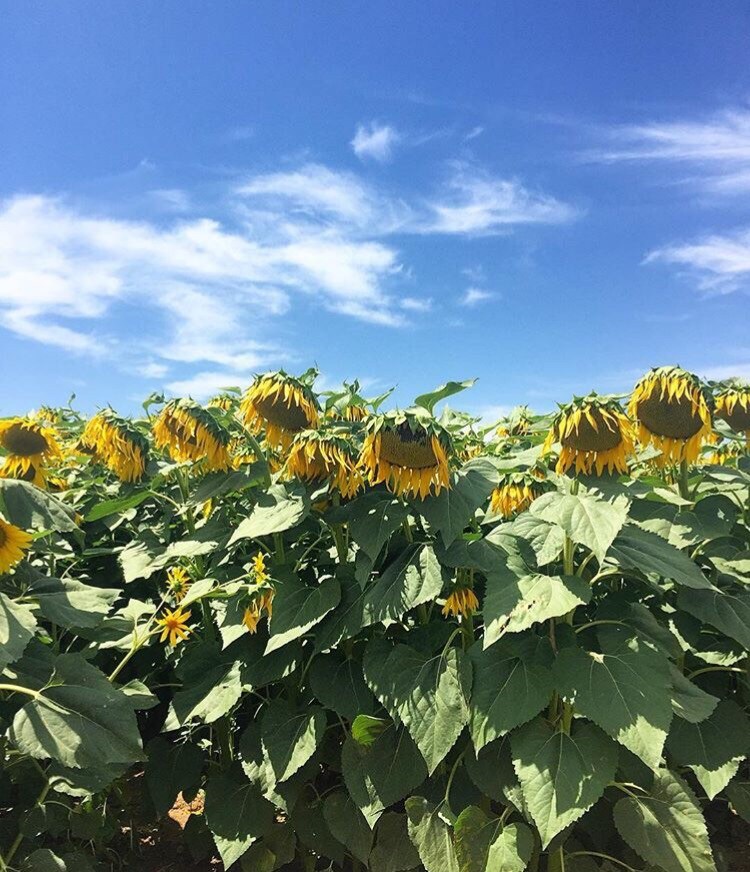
x=324, y=636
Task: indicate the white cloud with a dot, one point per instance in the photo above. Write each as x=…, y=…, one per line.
x=171, y=199
x=205, y=384
x=473, y=133
x=727, y=371
x=717, y=146
x=415, y=304
x=480, y=204
x=721, y=263
x=375, y=141
x=474, y=296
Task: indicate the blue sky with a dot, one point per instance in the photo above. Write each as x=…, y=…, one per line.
x=552, y=197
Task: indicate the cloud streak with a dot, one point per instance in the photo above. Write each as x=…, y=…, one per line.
x=719, y=262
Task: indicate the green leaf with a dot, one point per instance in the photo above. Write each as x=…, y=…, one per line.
x=483, y=844
x=666, y=827
x=17, y=625
x=365, y=729
x=428, y=694
x=640, y=550
x=561, y=775
x=313, y=832
x=275, y=851
x=726, y=611
x=431, y=836
x=739, y=795
x=625, y=689
x=44, y=860
x=451, y=510
x=338, y=684
x=393, y=851
x=347, y=823
x=512, y=683
x=211, y=684
x=381, y=775
x=32, y=509
x=373, y=519
x=712, y=748
x=117, y=506
x=170, y=769
x=236, y=813
x=280, y=508
x=70, y=603
x=491, y=770
x=297, y=607
x=218, y=484
x=545, y=539
x=290, y=736
x=449, y=389
x=257, y=766
x=80, y=720
x=689, y=701
x=587, y=519
x=513, y=603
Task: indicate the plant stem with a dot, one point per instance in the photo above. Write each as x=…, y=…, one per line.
x=260, y=454
x=556, y=861
x=5, y=861
x=16, y=688
x=683, y=481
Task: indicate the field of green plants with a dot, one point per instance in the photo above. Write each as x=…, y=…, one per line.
x=326, y=636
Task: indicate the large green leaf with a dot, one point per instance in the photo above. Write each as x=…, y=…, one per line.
x=338, y=684
x=427, y=693
x=739, y=795
x=383, y=773
x=449, y=389
x=30, y=508
x=280, y=508
x=491, y=770
x=348, y=824
x=689, y=701
x=587, y=519
x=70, y=603
x=431, y=836
x=545, y=539
x=171, y=768
x=726, y=611
x=713, y=748
x=512, y=683
x=373, y=517
x=625, y=689
x=297, y=607
x=291, y=735
x=17, y=625
x=450, y=511
x=117, y=506
x=666, y=826
x=236, y=813
x=513, y=603
x=393, y=851
x=638, y=549
x=80, y=720
x=562, y=775
x=484, y=845
x=211, y=685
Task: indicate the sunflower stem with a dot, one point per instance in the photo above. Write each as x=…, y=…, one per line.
x=261, y=455
x=683, y=481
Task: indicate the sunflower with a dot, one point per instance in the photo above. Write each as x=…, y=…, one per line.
x=178, y=582
x=28, y=443
x=594, y=435
x=114, y=442
x=673, y=411
x=461, y=601
x=280, y=406
x=225, y=402
x=319, y=456
x=408, y=451
x=174, y=626
x=517, y=424
x=254, y=612
x=733, y=406
x=722, y=455
x=260, y=572
x=189, y=432
x=14, y=543
x=515, y=493
x=18, y=468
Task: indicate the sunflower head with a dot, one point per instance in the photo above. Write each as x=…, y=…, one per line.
x=733, y=406
x=326, y=456
x=726, y=454
x=225, y=402
x=517, y=424
x=261, y=603
x=515, y=493
x=178, y=582
x=461, y=601
x=20, y=469
x=594, y=435
x=116, y=443
x=32, y=443
x=174, y=626
x=280, y=406
x=188, y=432
x=408, y=451
x=673, y=411
x=14, y=543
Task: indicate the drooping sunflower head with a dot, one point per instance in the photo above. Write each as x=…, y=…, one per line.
x=29, y=442
x=733, y=406
x=461, y=601
x=225, y=402
x=594, y=434
x=515, y=493
x=726, y=454
x=14, y=543
x=280, y=406
x=116, y=443
x=409, y=452
x=188, y=432
x=19, y=468
x=326, y=456
x=673, y=411
x=178, y=582
x=517, y=424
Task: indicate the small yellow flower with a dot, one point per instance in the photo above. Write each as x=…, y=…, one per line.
x=174, y=626
x=251, y=617
x=178, y=582
x=461, y=601
x=14, y=543
x=259, y=567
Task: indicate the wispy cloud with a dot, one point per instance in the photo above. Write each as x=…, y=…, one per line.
x=719, y=262
x=375, y=141
x=715, y=149
x=721, y=372
x=474, y=296
x=416, y=304
x=474, y=133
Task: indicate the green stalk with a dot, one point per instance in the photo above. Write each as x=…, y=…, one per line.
x=5, y=861
x=683, y=481
x=260, y=454
x=556, y=861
